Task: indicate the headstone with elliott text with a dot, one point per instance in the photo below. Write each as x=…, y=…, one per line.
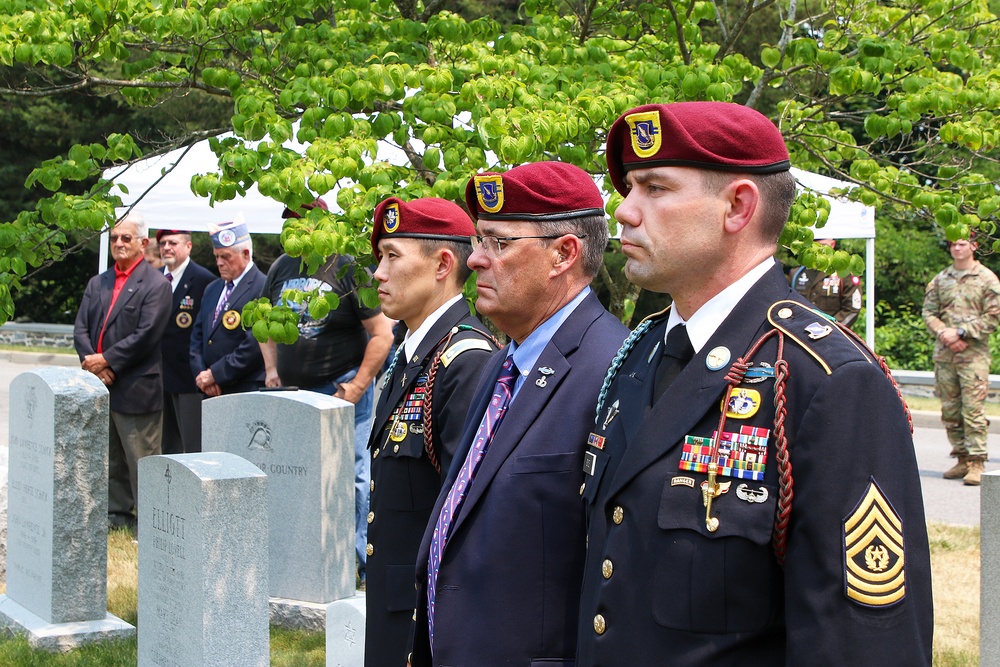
x=304, y=442
x=57, y=537
x=202, y=562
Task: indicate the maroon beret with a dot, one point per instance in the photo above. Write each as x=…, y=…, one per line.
x=160, y=233
x=539, y=191
x=289, y=213
x=428, y=218
x=708, y=135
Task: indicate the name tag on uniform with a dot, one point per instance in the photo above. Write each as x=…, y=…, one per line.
x=589, y=463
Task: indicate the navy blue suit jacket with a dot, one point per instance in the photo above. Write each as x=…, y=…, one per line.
x=132, y=336
x=509, y=583
x=232, y=354
x=176, y=343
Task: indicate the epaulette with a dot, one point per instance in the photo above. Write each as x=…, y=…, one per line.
x=464, y=345
x=813, y=330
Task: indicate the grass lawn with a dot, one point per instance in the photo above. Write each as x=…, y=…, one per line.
x=954, y=561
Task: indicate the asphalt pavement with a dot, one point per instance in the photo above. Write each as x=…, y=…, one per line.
x=946, y=501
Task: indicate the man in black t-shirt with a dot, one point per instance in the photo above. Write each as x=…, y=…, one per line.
x=338, y=355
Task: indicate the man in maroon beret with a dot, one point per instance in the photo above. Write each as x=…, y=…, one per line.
x=338, y=354
x=422, y=247
x=500, y=564
x=751, y=485
x=181, y=396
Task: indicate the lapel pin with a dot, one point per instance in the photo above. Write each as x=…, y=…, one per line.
x=717, y=358
x=612, y=413
x=545, y=371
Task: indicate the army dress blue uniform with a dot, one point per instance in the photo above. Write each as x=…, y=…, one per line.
x=405, y=479
x=663, y=586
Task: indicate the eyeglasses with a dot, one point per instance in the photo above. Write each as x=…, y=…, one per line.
x=494, y=245
x=125, y=238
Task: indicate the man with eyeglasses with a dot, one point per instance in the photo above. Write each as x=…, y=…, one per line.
x=117, y=334
x=500, y=564
x=182, y=398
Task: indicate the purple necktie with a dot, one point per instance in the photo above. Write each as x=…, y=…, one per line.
x=497, y=408
x=223, y=302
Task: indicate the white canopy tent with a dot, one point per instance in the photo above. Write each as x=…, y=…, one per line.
x=167, y=202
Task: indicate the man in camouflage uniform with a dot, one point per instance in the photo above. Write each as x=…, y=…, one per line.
x=962, y=308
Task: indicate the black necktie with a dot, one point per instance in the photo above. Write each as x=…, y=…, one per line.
x=676, y=353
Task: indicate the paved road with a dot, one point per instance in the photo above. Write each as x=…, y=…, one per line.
x=948, y=501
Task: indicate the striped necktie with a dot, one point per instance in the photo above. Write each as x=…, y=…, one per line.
x=502, y=392
x=223, y=302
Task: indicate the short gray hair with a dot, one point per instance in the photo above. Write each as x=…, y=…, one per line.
x=141, y=229
x=593, y=229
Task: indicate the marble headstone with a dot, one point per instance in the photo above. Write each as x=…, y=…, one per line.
x=58, y=510
x=304, y=442
x=989, y=577
x=202, y=562
x=345, y=632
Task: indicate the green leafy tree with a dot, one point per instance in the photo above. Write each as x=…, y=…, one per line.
x=898, y=97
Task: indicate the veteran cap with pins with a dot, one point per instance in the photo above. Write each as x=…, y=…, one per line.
x=227, y=234
x=537, y=192
x=720, y=136
x=426, y=218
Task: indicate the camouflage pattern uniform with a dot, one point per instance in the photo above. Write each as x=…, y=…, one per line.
x=840, y=298
x=968, y=299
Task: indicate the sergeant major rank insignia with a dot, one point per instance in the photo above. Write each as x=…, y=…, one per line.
x=489, y=192
x=646, y=132
x=873, y=551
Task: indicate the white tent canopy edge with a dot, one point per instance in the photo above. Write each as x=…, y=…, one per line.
x=169, y=203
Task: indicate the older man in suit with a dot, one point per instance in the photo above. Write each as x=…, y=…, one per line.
x=117, y=334
x=182, y=399
x=225, y=357
x=501, y=560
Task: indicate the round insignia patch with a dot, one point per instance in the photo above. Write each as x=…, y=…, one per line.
x=785, y=313
x=390, y=218
x=646, y=133
x=717, y=358
x=227, y=237
x=184, y=320
x=231, y=319
x=489, y=192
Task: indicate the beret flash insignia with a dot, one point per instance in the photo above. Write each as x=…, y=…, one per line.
x=489, y=191
x=646, y=132
x=874, y=573
x=390, y=218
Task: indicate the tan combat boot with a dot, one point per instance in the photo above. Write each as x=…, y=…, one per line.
x=959, y=470
x=975, y=475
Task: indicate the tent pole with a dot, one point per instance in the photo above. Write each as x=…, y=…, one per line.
x=870, y=293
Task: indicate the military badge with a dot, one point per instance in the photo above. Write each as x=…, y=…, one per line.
x=390, y=218
x=679, y=480
x=757, y=374
x=595, y=440
x=612, y=413
x=489, y=192
x=184, y=320
x=231, y=319
x=744, y=492
x=187, y=303
x=398, y=431
x=817, y=330
x=742, y=403
x=646, y=133
x=874, y=573
x=742, y=455
x=227, y=237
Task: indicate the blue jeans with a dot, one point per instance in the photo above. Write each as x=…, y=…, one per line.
x=362, y=464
